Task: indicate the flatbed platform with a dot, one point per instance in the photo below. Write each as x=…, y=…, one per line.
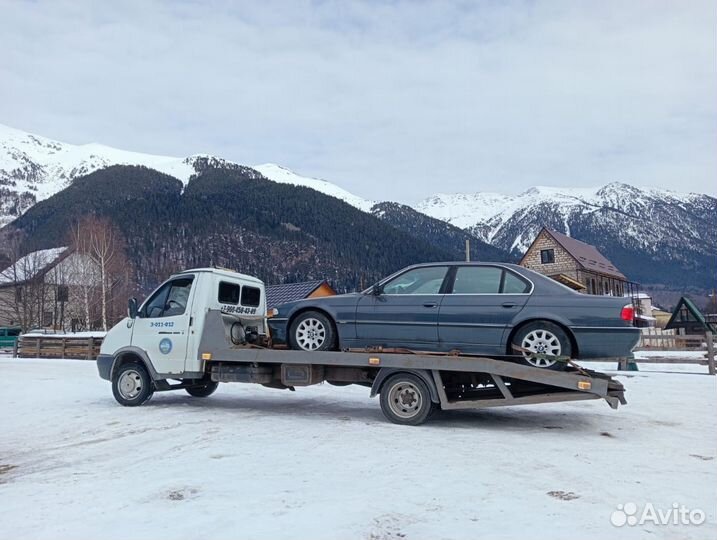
x=454, y=381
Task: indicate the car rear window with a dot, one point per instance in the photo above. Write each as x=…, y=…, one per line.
x=512, y=284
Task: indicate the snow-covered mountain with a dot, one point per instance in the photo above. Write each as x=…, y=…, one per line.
x=490, y=215
x=652, y=235
x=32, y=168
x=280, y=174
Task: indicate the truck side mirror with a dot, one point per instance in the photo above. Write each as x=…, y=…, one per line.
x=377, y=290
x=132, y=308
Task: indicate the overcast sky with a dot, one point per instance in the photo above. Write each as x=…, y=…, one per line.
x=391, y=100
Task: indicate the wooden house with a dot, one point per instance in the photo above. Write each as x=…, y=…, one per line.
x=576, y=264
x=290, y=292
x=688, y=319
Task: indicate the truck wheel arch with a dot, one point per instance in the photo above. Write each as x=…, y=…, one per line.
x=126, y=355
x=385, y=373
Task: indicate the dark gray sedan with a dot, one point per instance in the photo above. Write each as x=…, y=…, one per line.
x=475, y=308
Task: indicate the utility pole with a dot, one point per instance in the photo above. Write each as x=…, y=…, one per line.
x=468, y=250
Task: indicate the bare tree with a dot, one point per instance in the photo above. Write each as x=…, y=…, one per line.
x=100, y=262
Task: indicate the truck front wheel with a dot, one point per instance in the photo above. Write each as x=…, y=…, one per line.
x=204, y=390
x=132, y=385
x=406, y=399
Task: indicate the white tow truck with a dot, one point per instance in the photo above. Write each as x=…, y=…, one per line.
x=208, y=325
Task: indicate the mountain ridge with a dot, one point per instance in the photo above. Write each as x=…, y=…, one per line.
x=656, y=236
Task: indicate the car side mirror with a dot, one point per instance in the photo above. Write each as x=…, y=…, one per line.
x=377, y=290
x=132, y=309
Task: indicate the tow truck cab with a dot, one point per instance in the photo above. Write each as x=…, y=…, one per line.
x=164, y=332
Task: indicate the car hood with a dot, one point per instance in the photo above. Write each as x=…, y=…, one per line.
x=335, y=300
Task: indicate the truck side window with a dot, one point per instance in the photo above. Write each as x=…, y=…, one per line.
x=228, y=293
x=170, y=300
x=178, y=297
x=250, y=296
x=155, y=305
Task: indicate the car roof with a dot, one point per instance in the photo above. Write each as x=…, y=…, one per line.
x=464, y=263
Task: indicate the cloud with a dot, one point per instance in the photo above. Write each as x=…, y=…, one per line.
x=391, y=100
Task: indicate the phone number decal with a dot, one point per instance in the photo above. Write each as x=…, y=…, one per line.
x=241, y=310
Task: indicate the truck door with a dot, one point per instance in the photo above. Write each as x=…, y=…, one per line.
x=162, y=325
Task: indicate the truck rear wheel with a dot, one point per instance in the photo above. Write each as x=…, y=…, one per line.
x=406, y=399
x=132, y=385
x=204, y=390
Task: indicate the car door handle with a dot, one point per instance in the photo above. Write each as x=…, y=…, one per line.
x=430, y=304
x=508, y=305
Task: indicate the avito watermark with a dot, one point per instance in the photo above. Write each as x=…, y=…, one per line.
x=678, y=514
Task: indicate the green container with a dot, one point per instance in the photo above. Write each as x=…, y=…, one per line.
x=8, y=336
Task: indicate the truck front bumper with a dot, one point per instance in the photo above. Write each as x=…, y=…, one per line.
x=104, y=365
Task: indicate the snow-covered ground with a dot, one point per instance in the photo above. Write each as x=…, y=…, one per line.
x=322, y=462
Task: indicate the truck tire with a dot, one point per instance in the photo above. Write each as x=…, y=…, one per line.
x=131, y=385
x=312, y=331
x=545, y=337
x=406, y=399
x=204, y=390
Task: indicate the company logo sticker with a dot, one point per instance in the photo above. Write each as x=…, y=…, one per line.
x=165, y=346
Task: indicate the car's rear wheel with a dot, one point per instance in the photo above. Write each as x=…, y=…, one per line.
x=312, y=331
x=538, y=341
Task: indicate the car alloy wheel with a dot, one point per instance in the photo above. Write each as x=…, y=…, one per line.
x=541, y=342
x=310, y=334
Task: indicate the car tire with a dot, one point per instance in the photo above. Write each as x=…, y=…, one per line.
x=405, y=399
x=545, y=337
x=131, y=385
x=204, y=390
x=312, y=331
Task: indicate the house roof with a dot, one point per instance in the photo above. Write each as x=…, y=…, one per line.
x=587, y=255
x=290, y=292
x=31, y=266
x=697, y=316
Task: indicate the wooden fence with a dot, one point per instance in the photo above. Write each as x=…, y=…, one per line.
x=678, y=342
x=83, y=348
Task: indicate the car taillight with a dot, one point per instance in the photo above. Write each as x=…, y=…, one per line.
x=627, y=313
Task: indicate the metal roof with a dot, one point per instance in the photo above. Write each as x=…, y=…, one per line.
x=587, y=255
x=289, y=292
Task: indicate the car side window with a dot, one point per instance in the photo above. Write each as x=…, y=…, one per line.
x=427, y=280
x=477, y=280
x=512, y=284
x=170, y=300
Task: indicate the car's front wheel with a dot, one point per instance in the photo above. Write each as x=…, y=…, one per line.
x=312, y=331
x=540, y=342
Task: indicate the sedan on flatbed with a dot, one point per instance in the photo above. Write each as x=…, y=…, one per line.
x=488, y=309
